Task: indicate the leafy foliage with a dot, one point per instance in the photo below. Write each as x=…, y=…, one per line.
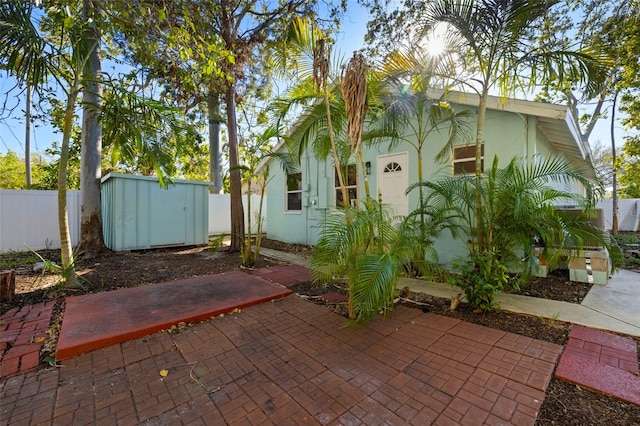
x=630, y=178
x=12, y=171
x=359, y=245
x=147, y=136
x=363, y=247
x=482, y=277
x=518, y=213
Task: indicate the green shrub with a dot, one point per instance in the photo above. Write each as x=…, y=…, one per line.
x=482, y=278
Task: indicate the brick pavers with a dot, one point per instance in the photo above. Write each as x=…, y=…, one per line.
x=290, y=362
x=601, y=361
x=286, y=275
x=22, y=334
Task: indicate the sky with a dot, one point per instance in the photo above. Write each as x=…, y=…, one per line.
x=351, y=38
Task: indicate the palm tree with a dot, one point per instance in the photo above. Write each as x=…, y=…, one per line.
x=30, y=58
x=417, y=116
x=498, y=57
x=518, y=212
x=347, y=249
x=341, y=113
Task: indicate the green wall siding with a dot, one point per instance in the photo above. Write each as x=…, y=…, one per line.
x=506, y=135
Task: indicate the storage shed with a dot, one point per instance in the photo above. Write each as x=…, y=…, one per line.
x=138, y=214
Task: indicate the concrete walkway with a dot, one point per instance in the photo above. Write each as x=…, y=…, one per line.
x=613, y=307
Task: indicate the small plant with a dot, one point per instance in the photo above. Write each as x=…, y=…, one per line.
x=482, y=278
x=16, y=259
x=627, y=238
x=64, y=271
x=216, y=242
x=552, y=321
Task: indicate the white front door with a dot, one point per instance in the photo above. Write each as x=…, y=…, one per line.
x=393, y=180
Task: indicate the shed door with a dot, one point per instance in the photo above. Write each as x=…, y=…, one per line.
x=393, y=180
x=168, y=216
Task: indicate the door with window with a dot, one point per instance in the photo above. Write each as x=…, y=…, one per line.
x=393, y=180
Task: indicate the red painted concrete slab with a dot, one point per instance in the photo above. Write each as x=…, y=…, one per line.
x=94, y=321
x=602, y=361
x=604, y=378
x=603, y=338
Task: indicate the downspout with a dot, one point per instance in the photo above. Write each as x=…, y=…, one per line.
x=308, y=202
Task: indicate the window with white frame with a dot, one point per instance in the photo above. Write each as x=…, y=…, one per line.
x=349, y=176
x=294, y=192
x=464, y=159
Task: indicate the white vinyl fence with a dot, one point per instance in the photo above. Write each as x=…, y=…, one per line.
x=220, y=213
x=628, y=213
x=30, y=218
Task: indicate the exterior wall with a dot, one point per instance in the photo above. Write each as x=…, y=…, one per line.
x=506, y=134
x=297, y=227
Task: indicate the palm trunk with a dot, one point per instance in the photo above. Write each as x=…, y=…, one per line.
x=336, y=159
x=614, y=170
x=482, y=110
x=247, y=255
x=27, y=138
x=237, y=214
x=66, y=254
x=363, y=167
x=91, y=238
x=423, y=232
x=256, y=256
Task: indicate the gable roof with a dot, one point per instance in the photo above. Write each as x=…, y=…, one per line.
x=554, y=121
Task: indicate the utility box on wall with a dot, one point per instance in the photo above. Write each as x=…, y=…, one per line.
x=137, y=214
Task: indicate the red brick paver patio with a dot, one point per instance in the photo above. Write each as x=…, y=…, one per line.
x=22, y=334
x=289, y=362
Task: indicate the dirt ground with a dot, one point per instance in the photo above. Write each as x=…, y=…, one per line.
x=565, y=404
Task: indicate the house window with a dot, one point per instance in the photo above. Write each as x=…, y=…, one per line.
x=294, y=192
x=349, y=175
x=464, y=159
x=392, y=168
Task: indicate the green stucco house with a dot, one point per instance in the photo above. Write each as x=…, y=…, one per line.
x=297, y=203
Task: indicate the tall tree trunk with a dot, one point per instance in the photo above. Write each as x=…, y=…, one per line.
x=215, y=169
x=91, y=238
x=237, y=214
x=614, y=170
x=27, y=138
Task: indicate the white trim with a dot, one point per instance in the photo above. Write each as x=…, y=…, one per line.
x=334, y=188
x=539, y=109
x=295, y=191
x=378, y=173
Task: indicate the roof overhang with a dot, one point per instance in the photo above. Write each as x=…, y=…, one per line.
x=554, y=121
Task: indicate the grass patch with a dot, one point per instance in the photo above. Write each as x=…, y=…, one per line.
x=17, y=259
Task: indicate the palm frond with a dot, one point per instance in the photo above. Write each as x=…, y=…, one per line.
x=23, y=50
